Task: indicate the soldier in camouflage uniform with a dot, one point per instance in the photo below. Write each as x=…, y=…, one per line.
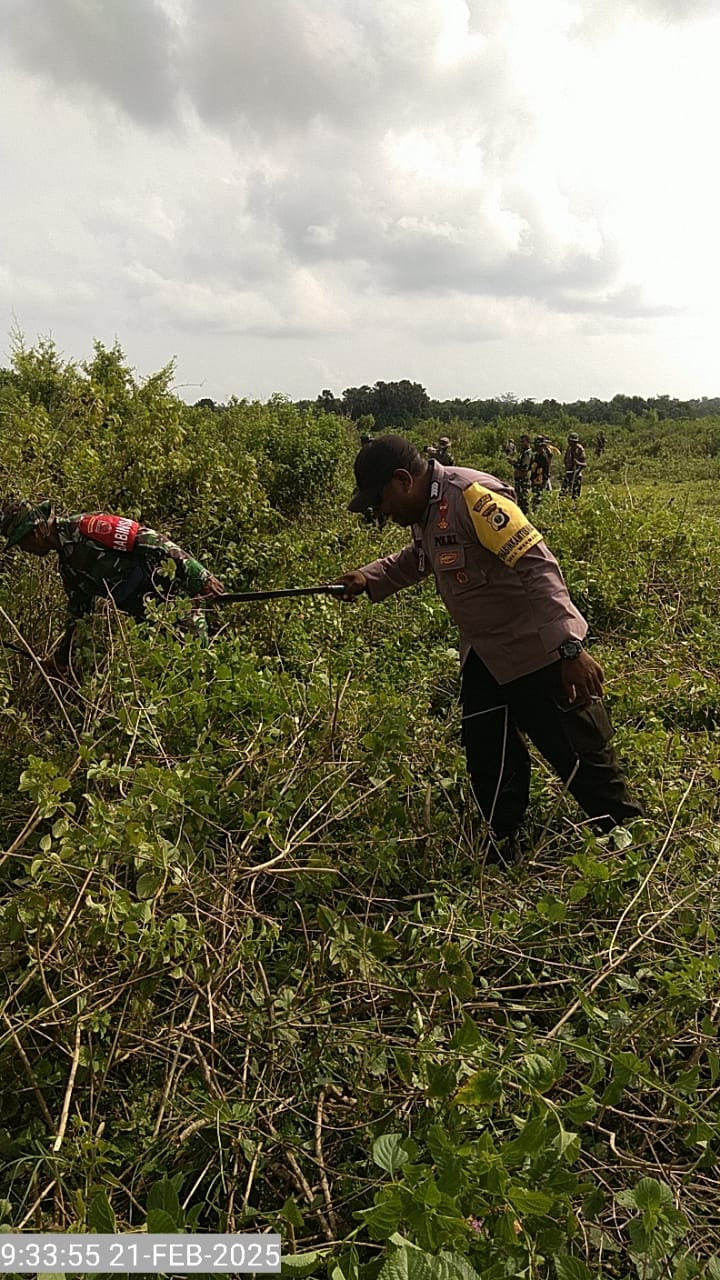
x=574, y=466
x=539, y=470
x=112, y=556
x=442, y=452
x=522, y=463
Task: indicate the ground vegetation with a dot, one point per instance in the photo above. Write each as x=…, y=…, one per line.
x=255, y=973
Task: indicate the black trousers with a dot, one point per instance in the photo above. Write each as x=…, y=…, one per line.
x=575, y=741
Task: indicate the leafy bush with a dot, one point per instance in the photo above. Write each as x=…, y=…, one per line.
x=255, y=972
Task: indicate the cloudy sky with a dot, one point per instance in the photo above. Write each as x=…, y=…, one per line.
x=287, y=195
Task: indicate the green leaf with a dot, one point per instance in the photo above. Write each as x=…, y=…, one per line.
x=481, y=1090
x=651, y=1194
x=148, y=884
x=594, y=1203
x=404, y=1064
x=466, y=1036
x=675, y=1222
x=382, y=1219
x=442, y=1080
x=532, y=1138
x=524, y=1200
x=618, y=839
x=348, y=1265
x=300, y=1264
x=579, y=891
x=160, y=1221
x=552, y=908
x=449, y=1265
x=388, y=1152
x=408, y=1264
x=626, y=1199
x=163, y=1195
x=641, y=1238
x=292, y=1214
x=379, y=944
x=539, y=1072
x=567, y=1144
x=571, y=1269
x=100, y=1214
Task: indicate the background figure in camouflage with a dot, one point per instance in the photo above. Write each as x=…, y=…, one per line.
x=539, y=470
x=442, y=452
x=574, y=464
x=107, y=555
x=522, y=463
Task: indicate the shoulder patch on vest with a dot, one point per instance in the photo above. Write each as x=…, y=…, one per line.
x=117, y=533
x=499, y=524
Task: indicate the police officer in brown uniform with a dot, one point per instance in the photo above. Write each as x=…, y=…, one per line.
x=525, y=670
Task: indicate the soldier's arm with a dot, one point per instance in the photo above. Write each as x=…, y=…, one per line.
x=191, y=574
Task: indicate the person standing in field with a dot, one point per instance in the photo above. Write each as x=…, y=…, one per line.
x=600, y=443
x=108, y=556
x=574, y=461
x=521, y=472
x=525, y=668
x=552, y=452
x=442, y=452
x=539, y=470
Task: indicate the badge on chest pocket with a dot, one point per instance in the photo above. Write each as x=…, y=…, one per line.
x=457, y=572
x=450, y=558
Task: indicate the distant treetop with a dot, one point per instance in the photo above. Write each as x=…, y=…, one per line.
x=398, y=404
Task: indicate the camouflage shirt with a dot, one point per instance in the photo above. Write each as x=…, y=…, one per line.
x=104, y=555
x=522, y=463
x=444, y=456
x=93, y=563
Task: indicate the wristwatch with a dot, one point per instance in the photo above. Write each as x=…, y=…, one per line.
x=570, y=648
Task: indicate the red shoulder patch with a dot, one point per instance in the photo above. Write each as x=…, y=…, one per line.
x=117, y=533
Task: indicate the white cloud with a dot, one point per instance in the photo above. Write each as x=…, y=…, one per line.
x=307, y=176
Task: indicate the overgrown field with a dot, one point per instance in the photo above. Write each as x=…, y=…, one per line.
x=255, y=974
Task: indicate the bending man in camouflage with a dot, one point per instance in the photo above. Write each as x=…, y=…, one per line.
x=105, y=555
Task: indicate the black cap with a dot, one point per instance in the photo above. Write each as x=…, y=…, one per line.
x=376, y=464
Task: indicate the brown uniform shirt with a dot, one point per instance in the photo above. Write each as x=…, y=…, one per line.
x=499, y=581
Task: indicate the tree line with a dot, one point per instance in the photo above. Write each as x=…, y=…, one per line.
x=401, y=403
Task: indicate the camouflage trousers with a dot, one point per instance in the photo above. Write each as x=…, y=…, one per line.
x=572, y=483
x=522, y=491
